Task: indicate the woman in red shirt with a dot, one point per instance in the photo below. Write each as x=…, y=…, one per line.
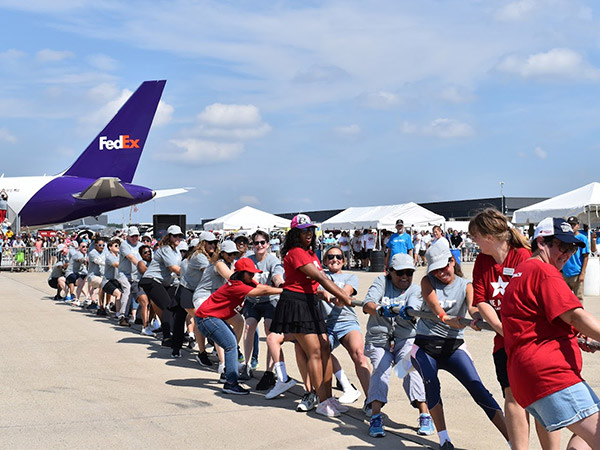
x=502, y=249
x=298, y=312
x=222, y=305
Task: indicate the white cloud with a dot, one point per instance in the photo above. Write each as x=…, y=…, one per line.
x=230, y=116
x=200, y=151
x=163, y=115
x=318, y=73
x=12, y=55
x=441, y=128
x=381, y=100
x=541, y=154
x=7, y=136
x=454, y=94
x=249, y=200
x=348, y=131
x=516, y=10
x=48, y=56
x=102, y=62
x=556, y=63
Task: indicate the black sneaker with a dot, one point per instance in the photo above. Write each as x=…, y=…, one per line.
x=101, y=312
x=234, y=389
x=266, y=382
x=123, y=321
x=203, y=360
x=138, y=321
x=223, y=377
x=167, y=342
x=112, y=307
x=57, y=297
x=246, y=373
x=175, y=354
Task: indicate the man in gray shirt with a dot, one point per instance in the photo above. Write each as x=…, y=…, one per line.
x=128, y=273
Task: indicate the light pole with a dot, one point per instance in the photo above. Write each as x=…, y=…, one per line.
x=502, y=196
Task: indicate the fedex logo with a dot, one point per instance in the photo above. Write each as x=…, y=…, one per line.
x=123, y=142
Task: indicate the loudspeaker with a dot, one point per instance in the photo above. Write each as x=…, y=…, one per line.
x=162, y=221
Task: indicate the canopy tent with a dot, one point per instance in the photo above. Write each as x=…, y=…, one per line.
x=247, y=218
x=581, y=202
x=382, y=217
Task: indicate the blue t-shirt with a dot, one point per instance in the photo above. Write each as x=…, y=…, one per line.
x=399, y=243
x=573, y=266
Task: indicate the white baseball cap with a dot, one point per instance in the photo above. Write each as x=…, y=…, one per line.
x=175, y=230
x=229, y=247
x=208, y=236
x=438, y=255
x=401, y=261
x=182, y=247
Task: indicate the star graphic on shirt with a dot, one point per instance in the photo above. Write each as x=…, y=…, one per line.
x=499, y=286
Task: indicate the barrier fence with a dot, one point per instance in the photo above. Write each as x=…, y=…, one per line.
x=27, y=259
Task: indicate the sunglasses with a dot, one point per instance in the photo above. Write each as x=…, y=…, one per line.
x=401, y=273
x=100, y=245
x=260, y=242
x=565, y=247
x=332, y=257
x=84, y=246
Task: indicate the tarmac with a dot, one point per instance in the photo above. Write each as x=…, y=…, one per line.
x=73, y=380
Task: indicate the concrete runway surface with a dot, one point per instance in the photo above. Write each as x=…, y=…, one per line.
x=72, y=380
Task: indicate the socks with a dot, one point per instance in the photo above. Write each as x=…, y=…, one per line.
x=343, y=379
x=443, y=435
x=280, y=372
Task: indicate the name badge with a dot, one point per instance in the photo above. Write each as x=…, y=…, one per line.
x=510, y=271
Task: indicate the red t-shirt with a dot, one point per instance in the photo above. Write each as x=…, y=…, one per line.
x=490, y=281
x=223, y=302
x=543, y=355
x=295, y=279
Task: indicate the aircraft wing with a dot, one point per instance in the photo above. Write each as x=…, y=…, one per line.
x=168, y=192
x=104, y=187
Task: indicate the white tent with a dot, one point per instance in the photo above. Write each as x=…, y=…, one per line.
x=382, y=217
x=583, y=202
x=247, y=218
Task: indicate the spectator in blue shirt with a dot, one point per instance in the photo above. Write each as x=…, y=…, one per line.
x=399, y=242
x=574, y=269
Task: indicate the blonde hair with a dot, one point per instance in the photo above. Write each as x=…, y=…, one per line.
x=492, y=222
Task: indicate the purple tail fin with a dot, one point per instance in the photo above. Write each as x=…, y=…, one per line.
x=116, y=151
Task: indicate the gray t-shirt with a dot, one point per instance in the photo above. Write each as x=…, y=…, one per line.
x=382, y=330
x=110, y=272
x=340, y=313
x=57, y=271
x=162, y=259
x=209, y=283
x=95, y=263
x=270, y=266
x=195, y=267
x=76, y=263
x=126, y=267
x=452, y=298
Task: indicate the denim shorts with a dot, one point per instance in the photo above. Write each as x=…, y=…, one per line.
x=565, y=407
x=340, y=329
x=258, y=310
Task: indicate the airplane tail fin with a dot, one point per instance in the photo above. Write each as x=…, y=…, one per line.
x=116, y=151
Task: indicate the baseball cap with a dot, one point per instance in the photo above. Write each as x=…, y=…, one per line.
x=175, y=230
x=207, y=236
x=399, y=222
x=559, y=228
x=302, y=221
x=573, y=220
x=438, y=255
x=402, y=261
x=194, y=242
x=133, y=231
x=246, y=265
x=182, y=247
x=229, y=247
x=240, y=235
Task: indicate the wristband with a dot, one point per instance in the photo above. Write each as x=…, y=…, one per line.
x=442, y=315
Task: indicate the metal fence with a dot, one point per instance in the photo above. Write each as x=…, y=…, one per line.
x=27, y=259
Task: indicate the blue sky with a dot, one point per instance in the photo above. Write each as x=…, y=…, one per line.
x=295, y=106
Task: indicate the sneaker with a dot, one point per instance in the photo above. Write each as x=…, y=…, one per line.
x=254, y=363
x=246, y=373
x=138, y=321
x=280, y=387
x=101, y=312
x=349, y=396
x=112, y=307
x=447, y=446
x=234, y=389
x=223, y=377
x=203, y=360
x=175, y=354
x=337, y=405
x=309, y=402
x=367, y=409
x=191, y=343
x=93, y=306
x=425, y=425
x=266, y=382
x=154, y=325
x=77, y=303
x=376, y=426
x=147, y=332
x=326, y=409
x=167, y=342
x=124, y=322
x=68, y=298
x=57, y=297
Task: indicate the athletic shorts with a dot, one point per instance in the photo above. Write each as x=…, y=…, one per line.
x=565, y=407
x=421, y=252
x=136, y=291
x=94, y=280
x=185, y=297
x=111, y=286
x=367, y=253
x=500, y=362
x=338, y=330
x=53, y=283
x=72, y=278
x=258, y=310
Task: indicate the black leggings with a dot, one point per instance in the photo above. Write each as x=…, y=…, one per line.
x=173, y=315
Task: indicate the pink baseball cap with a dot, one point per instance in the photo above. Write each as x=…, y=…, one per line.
x=302, y=221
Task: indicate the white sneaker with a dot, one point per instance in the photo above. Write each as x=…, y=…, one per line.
x=280, y=387
x=147, y=332
x=337, y=405
x=154, y=325
x=326, y=409
x=349, y=396
x=308, y=403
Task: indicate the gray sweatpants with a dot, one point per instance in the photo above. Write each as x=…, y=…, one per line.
x=125, y=301
x=383, y=361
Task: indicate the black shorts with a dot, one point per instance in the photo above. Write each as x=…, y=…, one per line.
x=501, y=363
x=298, y=312
x=421, y=252
x=367, y=253
x=72, y=278
x=53, y=283
x=184, y=297
x=111, y=286
x=258, y=310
